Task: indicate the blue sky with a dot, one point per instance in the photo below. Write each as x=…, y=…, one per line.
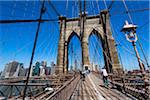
x=16, y=40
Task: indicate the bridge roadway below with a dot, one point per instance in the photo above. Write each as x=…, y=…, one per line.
x=93, y=89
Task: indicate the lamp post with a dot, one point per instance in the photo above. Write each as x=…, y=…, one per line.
x=130, y=33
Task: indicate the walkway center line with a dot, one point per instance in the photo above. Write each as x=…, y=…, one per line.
x=100, y=97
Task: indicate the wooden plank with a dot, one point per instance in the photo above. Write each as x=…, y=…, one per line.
x=29, y=84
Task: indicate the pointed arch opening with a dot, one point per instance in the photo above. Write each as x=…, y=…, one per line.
x=97, y=52
x=74, y=52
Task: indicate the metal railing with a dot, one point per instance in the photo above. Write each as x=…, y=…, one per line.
x=65, y=92
x=131, y=86
x=12, y=88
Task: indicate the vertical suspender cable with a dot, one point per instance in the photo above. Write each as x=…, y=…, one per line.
x=84, y=6
x=105, y=4
x=53, y=7
x=143, y=54
x=127, y=10
x=97, y=5
x=66, y=8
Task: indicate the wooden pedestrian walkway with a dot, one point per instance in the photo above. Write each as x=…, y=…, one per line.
x=92, y=89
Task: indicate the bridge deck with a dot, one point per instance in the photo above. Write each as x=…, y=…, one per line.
x=92, y=89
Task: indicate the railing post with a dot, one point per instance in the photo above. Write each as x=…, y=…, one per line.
x=123, y=81
x=111, y=78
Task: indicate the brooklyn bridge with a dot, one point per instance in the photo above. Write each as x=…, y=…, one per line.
x=74, y=50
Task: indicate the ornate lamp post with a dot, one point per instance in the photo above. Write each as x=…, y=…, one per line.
x=130, y=33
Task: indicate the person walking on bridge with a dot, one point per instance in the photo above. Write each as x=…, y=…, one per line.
x=105, y=75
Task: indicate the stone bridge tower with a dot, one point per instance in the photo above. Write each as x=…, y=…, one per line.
x=83, y=27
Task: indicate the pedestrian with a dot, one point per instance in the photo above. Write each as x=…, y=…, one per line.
x=105, y=76
x=81, y=75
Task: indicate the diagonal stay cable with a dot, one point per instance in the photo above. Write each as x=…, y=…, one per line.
x=95, y=49
x=53, y=43
x=104, y=52
x=137, y=36
x=33, y=50
x=110, y=6
x=131, y=21
x=53, y=7
x=126, y=49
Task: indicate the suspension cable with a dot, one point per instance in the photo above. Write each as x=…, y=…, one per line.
x=67, y=7
x=97, y=5
x=138, y=40
x=104, y=53
x=105, y=4
x=33, y=50
x=131, y=11
x=53, y=7
x=126, y=49
x=110, y=6
x=127, y=10
x=96, y=50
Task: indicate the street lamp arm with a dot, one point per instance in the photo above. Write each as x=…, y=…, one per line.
x=129, y=38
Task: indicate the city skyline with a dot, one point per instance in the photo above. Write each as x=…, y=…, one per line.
x=16, y=40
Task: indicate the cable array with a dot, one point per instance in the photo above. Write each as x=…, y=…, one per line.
x=93, y=6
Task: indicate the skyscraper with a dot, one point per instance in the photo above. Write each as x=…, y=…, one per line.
x=36, y=69
x=43, y=70
x=53, y=68
x=22, y=71
x=12, y=69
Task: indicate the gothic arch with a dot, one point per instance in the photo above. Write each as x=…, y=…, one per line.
x=106, y=56
x=67, y=47
x=96, y=33
x=72, y=35
x=101, y=27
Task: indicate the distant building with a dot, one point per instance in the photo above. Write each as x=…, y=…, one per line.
x=12, y=69
x=71, y=68
x=0, y=73
x=91, y=66
x=52, y=68
x=26, y=71
x=36, y=69
x=22, y=71
x=44, y=64
x=42, y=71
x=95, y=67
x=75, y=65
x=43, y=68
x=4, y=72
x=48, y=70
x=16, y=73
